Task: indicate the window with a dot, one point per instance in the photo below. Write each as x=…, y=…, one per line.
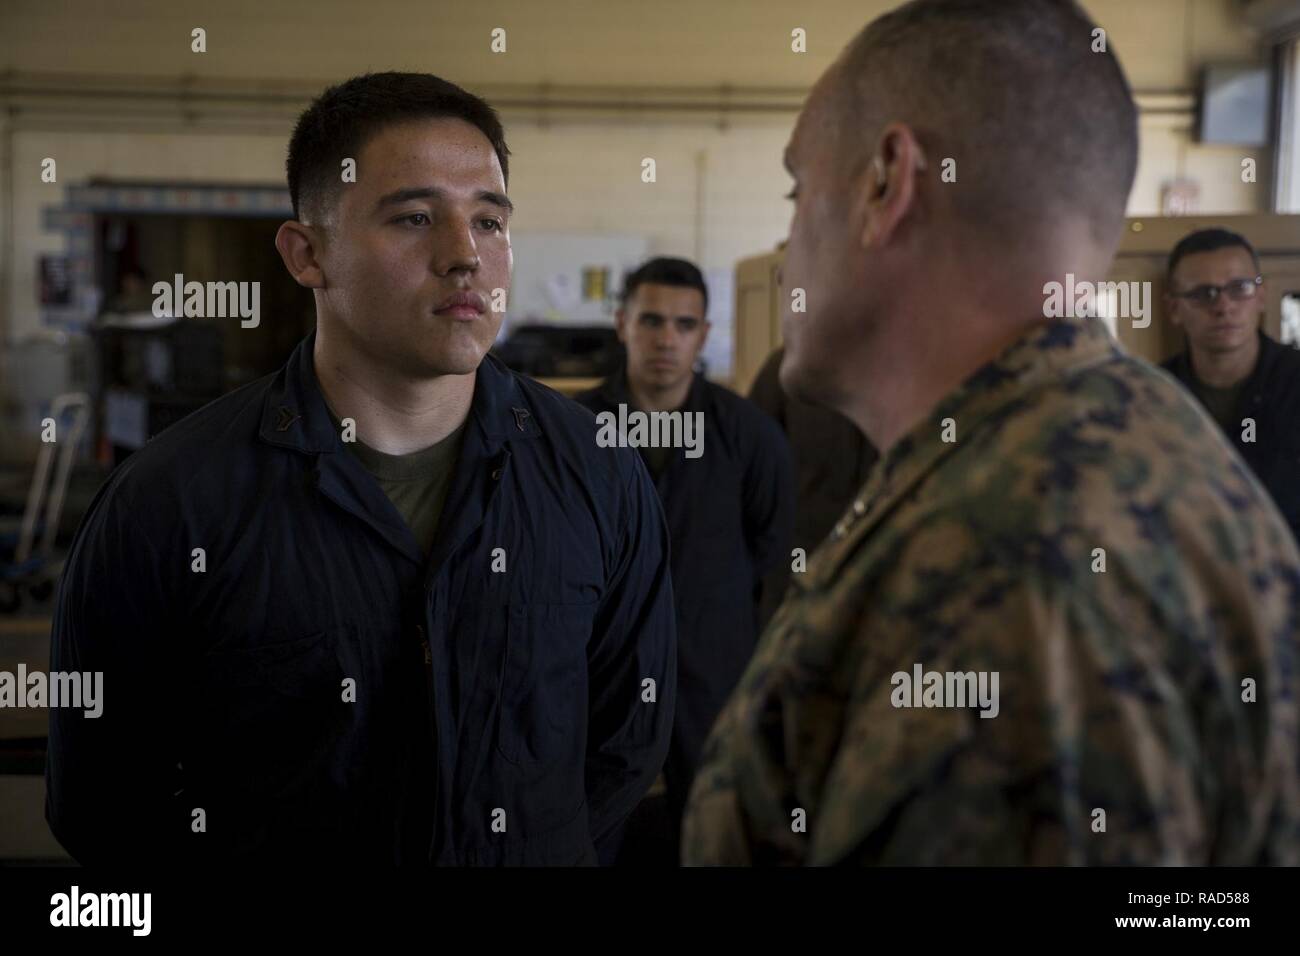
x=1288, y=139
x=1291, y=319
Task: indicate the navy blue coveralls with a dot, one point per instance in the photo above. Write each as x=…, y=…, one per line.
x=309, y=687
x=730, y=518
x=1271, y=396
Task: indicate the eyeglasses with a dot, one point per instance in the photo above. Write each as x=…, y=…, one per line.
x=1238, y=290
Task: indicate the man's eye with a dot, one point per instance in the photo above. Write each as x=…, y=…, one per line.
x=414, y=216
x=492, y=224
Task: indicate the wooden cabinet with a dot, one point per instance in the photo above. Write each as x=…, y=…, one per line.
x=757, y=329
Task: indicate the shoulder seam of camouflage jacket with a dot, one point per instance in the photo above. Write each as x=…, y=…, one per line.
x=1035, y=359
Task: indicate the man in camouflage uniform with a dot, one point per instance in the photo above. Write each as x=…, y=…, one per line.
x=1047, y=508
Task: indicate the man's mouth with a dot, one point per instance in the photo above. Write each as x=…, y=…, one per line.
x=462, y=305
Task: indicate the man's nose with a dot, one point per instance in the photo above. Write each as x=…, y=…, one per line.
x=455, y=250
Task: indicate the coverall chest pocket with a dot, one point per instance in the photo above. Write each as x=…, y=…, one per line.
x=543, y=714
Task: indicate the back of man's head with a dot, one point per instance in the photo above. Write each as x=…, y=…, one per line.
x=1024, y=95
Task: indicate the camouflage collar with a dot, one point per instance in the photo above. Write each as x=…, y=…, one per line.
x=1044, y=354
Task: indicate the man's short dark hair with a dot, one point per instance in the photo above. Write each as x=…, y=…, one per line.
x=1208, y=240
x=1037, y=122
x=345, y=117
x=665, y=270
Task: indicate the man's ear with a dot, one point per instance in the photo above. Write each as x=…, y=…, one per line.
x=887, y=189
x=620, y=321
x=299, y=247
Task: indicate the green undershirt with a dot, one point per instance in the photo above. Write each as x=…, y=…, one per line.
x=1221, y=403
x=416, y=484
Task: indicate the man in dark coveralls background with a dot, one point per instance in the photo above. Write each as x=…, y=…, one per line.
x=729, y=511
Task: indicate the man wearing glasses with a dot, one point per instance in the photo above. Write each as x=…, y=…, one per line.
x=1248, y=383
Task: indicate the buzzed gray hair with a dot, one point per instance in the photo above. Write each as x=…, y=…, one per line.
x=1026, y=96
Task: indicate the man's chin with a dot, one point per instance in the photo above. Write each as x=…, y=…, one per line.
x=459, y=365
x=1228, y=341
x=463, y=360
